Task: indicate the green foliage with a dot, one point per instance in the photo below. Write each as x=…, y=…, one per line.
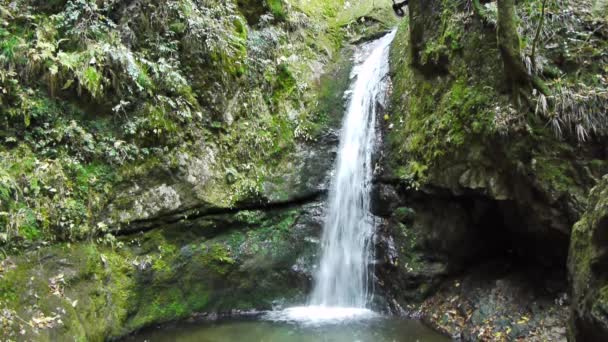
x=572, y=92
x=404, y=214
x=276, y=8
x=53, y=199
x=556, y=172
x=284, y=84
x=91, y=81
x=89, y=90
x=217, y=257
x=8, y=45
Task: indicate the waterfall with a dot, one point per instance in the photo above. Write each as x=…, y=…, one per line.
x=342, y=284
x=342, y=279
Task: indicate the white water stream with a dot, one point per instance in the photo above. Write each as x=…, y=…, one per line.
x=342, y=283
x=343, y=277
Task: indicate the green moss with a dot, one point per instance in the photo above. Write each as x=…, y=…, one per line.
x=92, y=177
x=588, y=277
x=216, y=257
x=11, y=284
x=249, y=217
x=284, y=83
x=580, y=261
x=330, y=99
x=288, y=220
x=162, y=275
x=95, y=290
x=441, y=118
x=602, y=300
x=160, y=304
x=403, y=214
x=557, y=173
x=444, y=98
x=276, y=8
x=434, y=53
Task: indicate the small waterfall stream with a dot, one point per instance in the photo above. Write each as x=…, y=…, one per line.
x=342, y=282
x=343, y=278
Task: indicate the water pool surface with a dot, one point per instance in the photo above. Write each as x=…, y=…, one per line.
x=378, y=329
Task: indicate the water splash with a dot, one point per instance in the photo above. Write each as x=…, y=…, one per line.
x=320, y=315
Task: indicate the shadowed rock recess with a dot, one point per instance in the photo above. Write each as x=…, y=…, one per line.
x=170, y=159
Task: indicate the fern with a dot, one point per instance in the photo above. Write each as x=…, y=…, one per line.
x=91, y=80
x=7, y=183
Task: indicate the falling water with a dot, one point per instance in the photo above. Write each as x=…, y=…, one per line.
x=342, y=278
x=342, y=284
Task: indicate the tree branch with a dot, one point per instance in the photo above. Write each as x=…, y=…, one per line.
x=537, y=36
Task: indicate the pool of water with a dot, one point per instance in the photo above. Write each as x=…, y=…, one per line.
x=369, y=329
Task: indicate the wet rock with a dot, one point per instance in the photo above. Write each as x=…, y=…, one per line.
x=306, y=172
x=384, y=199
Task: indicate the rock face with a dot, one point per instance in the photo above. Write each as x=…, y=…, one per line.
x=188, y=174
x=216, y=264
x=202, y=192
x=470, y=174
x=587, y=269
x=194, y=187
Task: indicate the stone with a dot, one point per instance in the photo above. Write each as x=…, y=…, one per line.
x=384, y=200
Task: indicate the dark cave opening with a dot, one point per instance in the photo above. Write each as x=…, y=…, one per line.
x=506, y=230
x=516, y=246
x=469, y=236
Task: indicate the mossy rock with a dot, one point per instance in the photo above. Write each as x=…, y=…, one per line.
x=89, y=291
x=455, y=136
x=587, y=267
